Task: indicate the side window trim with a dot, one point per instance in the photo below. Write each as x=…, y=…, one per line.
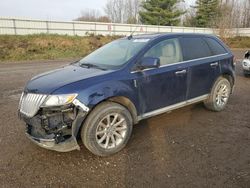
x=182, y=62
x=197, y=59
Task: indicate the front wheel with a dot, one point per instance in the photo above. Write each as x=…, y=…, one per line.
x=219, y=95
x=107, y=129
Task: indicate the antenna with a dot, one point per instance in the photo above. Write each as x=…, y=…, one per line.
x=131, y=34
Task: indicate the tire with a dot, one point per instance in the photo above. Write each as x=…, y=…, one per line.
x=96, y=129
x=219, y=95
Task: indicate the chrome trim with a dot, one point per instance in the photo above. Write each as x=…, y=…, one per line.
x=20, y=101
x=180, y=62
x=214, y=64
x=172, y=107
x=142, y=70
x=181, y=72
x=30, y=103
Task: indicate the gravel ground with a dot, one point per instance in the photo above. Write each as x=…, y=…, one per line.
x=190, y=147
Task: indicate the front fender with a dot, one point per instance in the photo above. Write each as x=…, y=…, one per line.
x=100, y=92
x=92, y=94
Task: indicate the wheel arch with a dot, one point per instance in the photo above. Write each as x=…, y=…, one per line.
x=122, y=100
x=231, y=80
x=127, y=103
x=229, y=77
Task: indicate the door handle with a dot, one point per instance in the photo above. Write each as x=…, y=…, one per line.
x=214, y=64
x=181, y=72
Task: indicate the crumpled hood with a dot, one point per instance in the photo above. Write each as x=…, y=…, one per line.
x=50, y=81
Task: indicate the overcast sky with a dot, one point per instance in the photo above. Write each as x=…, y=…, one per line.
x=49, y=9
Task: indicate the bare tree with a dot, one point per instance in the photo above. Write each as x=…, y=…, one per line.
x=246, y=14
x=115, y=10
x=92, y=15
x=123, y=11
x=132, y=11
x=239, y=12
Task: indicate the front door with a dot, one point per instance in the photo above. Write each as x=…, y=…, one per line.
x=166, y=85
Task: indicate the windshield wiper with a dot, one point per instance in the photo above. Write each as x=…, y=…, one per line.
x=89, y=65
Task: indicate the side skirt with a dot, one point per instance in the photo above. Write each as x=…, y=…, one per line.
x=172, y=107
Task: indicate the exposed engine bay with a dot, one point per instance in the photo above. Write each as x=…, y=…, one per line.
x=55, y=128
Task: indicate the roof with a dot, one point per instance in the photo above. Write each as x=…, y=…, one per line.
x=158, y=35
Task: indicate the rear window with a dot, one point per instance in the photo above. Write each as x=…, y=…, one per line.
x=215, y=46
x=195, y=48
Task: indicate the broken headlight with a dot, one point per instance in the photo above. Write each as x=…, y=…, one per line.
x=59, y=100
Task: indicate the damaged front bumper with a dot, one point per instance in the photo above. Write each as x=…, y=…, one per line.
x=56, y=128
x=51, y=144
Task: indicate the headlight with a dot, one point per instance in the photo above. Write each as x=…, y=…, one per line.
x=246, y=63
x=59, y=100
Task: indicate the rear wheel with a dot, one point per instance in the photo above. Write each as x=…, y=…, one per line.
x=219, y=95
x=107, y=129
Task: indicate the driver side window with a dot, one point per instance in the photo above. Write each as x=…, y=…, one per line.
x=168, y=51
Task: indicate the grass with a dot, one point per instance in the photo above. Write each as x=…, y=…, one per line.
x=238, y=42
x=49, y=47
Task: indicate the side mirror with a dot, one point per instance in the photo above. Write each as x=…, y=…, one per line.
x=149, y=62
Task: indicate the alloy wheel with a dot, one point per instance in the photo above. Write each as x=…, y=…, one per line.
x=222, y=95
x=111, y=131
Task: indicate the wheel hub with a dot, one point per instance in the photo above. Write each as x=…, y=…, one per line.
x=111, y=131
x=222, y=95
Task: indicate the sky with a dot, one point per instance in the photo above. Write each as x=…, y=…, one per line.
x=50, y=9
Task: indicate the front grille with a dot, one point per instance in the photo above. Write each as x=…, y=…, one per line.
x=30, y=103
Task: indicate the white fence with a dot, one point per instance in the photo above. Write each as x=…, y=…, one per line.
x=17, y=26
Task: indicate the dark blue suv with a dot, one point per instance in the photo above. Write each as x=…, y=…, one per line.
x=102, y=96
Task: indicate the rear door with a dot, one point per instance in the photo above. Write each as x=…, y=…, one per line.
x=204, y=66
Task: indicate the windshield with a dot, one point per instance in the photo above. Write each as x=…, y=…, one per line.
x=114, y=54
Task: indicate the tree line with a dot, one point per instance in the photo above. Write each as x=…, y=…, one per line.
x=204, y=13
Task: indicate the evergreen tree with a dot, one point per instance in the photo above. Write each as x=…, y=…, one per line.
x=206, y=12
x=160, y=12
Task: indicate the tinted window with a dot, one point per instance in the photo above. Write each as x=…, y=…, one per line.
x=215, y=46
x=168, y=51
x=195, y=48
